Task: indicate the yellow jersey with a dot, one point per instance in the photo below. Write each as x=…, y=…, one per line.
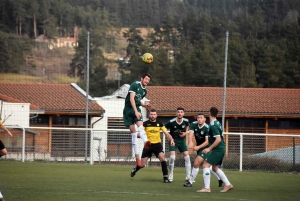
x=153, y=130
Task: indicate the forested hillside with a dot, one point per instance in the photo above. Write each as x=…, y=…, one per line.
x=188, y=41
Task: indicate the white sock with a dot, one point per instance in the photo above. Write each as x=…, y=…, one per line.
x=143, y=134
x=171, y=163
x=1, y=196
x=187, y=163
x=134, y=143
x=206, y=178
x=223, y=177
x=213, y=172
x=194, y=174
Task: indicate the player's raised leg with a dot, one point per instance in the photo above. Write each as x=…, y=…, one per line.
x=138, y=167
x=143, y=135
x=134, y=142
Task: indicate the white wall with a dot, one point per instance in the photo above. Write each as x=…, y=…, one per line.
x=113, y=108
x=16, y=114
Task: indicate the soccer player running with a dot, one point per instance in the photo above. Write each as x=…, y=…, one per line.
x=179, y=128
x=153, y=128
x=3, y=150
x=199, y=129
x=132, y=113
x=215, y=153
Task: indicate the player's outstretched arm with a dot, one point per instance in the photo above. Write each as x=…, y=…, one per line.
x=168, y=135
x=170, y=139
x=4, y=128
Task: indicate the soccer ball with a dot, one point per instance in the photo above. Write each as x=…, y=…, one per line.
x=147, y=58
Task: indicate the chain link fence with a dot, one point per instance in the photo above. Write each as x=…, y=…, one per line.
x=245, y=151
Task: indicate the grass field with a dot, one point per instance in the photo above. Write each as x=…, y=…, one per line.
x=38, y=181
x=19, y=78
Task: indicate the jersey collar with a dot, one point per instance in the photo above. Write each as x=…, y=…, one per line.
x=142, y=85
x=201, y=126
x=213, y=121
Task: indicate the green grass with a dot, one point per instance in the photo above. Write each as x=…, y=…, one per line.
x=59, y=79
x=19, y=78
x=38, y=181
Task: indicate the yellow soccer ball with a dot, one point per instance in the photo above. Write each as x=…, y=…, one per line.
x=147, y=58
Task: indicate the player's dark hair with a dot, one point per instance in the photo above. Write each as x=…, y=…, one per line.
x=145, y=75
x=201, y=114
x=152, y=110
x=180, y=108
x=213, y=111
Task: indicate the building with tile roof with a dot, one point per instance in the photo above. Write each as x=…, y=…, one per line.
x=52, y=105
x=247, y=110
x=50, y=99
x=240, y=102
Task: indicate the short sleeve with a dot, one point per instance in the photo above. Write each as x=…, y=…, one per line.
x=192, y=127
x=215, y=131
x=133, y=88
x=163, y=128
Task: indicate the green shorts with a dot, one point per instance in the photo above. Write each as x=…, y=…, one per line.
x=215, y=157
x=180, y=144
x=199, y=153
x=129, y=116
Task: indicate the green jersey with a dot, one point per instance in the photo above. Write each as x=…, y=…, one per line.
x=176, y=128
x=215, y=129
x=199, y=132
x=140, y=92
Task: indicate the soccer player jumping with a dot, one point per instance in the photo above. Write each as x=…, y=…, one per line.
x=132, y=113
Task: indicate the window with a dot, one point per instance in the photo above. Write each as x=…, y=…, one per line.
x=251, y=144
x=40, y=119
x=115, y=123
x=68, y=120
x=119, y=142
x=69, y=143
x=15, y=144
x=117, y=137
x=284, y=123
x=258, y=123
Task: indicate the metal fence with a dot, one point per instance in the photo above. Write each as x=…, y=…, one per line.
x=244, y=151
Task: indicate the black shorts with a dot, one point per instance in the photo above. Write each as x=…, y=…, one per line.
x=1, y=145
x=154, y=148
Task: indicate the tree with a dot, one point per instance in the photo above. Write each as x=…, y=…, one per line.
x=12, y=52
x=34, y=9
x=47, y=21
x=19, y=13
x=98, y=70
x=134, y=39
x=241, y=73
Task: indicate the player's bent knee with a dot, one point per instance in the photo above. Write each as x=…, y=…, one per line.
x=215, y=168
x=196, y=165
x=3, y=152
x=206, y=164
x=161, y=157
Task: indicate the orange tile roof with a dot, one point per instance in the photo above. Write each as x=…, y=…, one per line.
x=51, y=97
x=238, y=100
x=13, y=100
